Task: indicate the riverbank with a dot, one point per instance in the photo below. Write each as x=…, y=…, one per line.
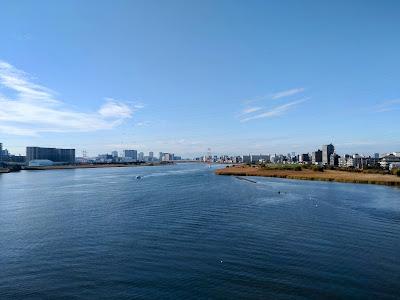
x=306, y=174
x=4, y=170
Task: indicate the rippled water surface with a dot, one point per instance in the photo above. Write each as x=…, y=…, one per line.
x=183, y=232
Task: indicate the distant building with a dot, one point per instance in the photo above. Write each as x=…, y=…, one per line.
x=334, y=160
x=105, y=158
x=376, y=155
x=15, y=158
x=277, y=158
x=316, y=157
x=246, y=159
x=167, y=157
x=140, y=156
x=151, y=156
x=236, y=159
x=389, y=159
x=342, y=162
x=131, y=154
x=394, y=165
x=259, y=158
x=327, y=151
x=4, y=155
x=304, y=158
x=114, y=154
x=53, y=154
x=40, y=163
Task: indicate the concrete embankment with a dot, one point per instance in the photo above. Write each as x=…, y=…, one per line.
x=327, y=175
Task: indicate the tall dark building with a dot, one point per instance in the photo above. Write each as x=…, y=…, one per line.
x=304, y=158
x=317, y=157
x=53, y=154
x=327, y=151
x=334, y=160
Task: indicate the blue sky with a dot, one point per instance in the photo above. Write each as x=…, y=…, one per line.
x=183, y=76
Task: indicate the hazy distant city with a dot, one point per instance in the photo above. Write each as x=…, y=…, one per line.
x=326, y=156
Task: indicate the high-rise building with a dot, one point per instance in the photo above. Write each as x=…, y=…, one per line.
x=259, y=159
x=316, y=157
x=141, y=156
x=4, y=155
x=114, y=154
x=334, y=160
x=246, y=159
x=304, y=158
x=151, y=155
x=376, y=155
x=167, y=157
x=327, y=151
x=132, y=154
x=53, y=154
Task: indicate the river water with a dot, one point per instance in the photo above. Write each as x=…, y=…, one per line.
x=183, y=232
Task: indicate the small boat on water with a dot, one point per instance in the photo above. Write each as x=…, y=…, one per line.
x=138, y=177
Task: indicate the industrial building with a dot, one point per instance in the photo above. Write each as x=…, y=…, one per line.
x=53, y=154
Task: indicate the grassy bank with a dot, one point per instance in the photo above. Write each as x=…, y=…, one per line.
x=308, y=174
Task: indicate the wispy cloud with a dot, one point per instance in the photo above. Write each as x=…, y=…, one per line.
x=143, y=124
x=30, y=109
x=274, y=96
x=276, y=111
x=287, y=93
x=250, y=110
x=389, y=105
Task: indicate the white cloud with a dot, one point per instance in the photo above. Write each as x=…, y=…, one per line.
x=16, y=131
x=276, y=111
x=114, y=108
x=389, y=105
x=29, y=108
x=287, y=93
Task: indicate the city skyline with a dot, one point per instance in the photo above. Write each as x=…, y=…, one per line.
x=237, y=79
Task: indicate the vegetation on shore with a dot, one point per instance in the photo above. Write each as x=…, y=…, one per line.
x=4, y=170
x=10, y=168
x=313, y=173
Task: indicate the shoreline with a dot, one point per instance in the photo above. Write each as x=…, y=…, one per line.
x=327, y=175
